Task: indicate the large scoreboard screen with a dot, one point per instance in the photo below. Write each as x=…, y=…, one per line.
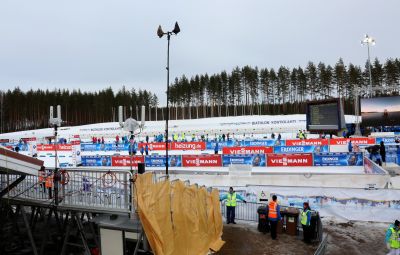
x=324, y=115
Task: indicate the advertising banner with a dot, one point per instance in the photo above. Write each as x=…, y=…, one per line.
x=372, y=168
x=126, y=160
x=338, y=159
x=305, y=159
x=357, y=140
x=230, y=143
x=298, y=142
x=236, y=159
x=159, y=161
x=387, y=140
x=51, y=147
x=263, y=143
x=155, y=146
x=76, y=152
x=301, y=149
x=33, y=147
x=247, y=150
x=96, y=161
x=188, y=146
x=201, y=160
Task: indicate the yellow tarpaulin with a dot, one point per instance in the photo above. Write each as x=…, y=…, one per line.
x=178, y=219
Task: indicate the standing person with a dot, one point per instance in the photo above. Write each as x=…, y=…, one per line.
x=382, y=151
x=231, y=201
x=216, y=148
x=142, y=150
x=146, y=149
x=279, y=137
x=102, y=140
x=392, y=238
x=305, y=222
x=350, y=146
x=274, y=215
x=223, y=137
x=272, y=136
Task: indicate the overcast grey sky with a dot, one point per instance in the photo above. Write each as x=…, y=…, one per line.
x=92, y=44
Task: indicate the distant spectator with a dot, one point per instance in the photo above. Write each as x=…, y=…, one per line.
x=117, y=140
x=146, y=149
x=382, y=151
x=304, y=134
x=344, y=133
x=272, y=136
x=223, y=137
x=228, y=137
x=216, y=148
x=98, y=140
x=142, y=150
x=147, y=139
x=193, y=137
x=350, y=146
x=102, y=139
x=279, y=137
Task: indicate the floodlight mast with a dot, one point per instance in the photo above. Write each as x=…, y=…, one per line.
x=55, y=123
x=160, y=34
x=369, y=41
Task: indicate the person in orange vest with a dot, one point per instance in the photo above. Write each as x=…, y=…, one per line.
x=274, y=215
x=41, y=179
x=49, y=184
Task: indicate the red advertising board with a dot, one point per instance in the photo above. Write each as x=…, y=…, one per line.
x=188, y=146
x=50, y=147
x=247, y=150
x=304, y=159
x=4, y=140
x=154, y=146
x=299, y=142
x=126, y=160
x=201, y=160
x=76, y=142
x=357, y=140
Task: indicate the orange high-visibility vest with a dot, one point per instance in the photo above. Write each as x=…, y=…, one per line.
x=272, y=213
x=42, y=176
x=49, y=181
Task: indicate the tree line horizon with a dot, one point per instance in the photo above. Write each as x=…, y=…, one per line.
x=242, y=91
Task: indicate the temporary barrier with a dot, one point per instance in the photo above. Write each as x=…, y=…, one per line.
x=356, y=140
x=338, y=159
x=298, y=142
x=126, y=160
x=371, y=167
x=159, y=161
x=252, y=159
x=96, y=161
x=301, y=149
x=248, y=150
x=51, y=147
x=188, y=146
x=155, y=146
x=305, y=159
x=178, y=219
x=201, y=160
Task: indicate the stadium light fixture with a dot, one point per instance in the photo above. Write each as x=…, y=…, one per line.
x=368, y=40
x=160, y=34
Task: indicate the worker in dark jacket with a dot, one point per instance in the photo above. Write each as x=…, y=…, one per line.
x=305, y=219
x=382, y=151
x=274, y=215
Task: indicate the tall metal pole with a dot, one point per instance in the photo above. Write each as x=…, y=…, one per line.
x=370, y=74
x=166, y=122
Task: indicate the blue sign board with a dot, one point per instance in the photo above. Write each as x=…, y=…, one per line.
x=248, y=159
x=301, y=149
x=338, y=159
x=96, y=161
x=159, y=161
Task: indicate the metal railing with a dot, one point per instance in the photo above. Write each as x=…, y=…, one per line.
x=244, y=211
x=89, y=189
x=321, y=250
